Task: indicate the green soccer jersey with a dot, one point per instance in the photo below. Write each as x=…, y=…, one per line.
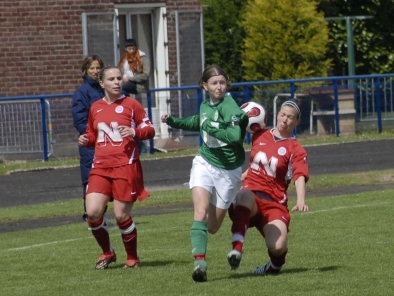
x=222, y=127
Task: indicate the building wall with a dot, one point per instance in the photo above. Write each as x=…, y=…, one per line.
x=41, y=43
x=42, y=51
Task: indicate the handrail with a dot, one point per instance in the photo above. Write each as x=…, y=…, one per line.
x=33, y=97
x=374, y=89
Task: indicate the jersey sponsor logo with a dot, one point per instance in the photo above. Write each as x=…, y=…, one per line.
x=211, y=141
x=261, y=161
x=282, y=151
x=119, y=109
x=203, y=118
x=216, y=116
x=109, y=134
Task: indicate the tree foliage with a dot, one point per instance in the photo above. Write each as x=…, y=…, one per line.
x=373, y=38
x=223, y=36
x=284, y=39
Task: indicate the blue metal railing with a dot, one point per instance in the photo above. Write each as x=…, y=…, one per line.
x=42, y=99
x=293, y=85
x=368, y=94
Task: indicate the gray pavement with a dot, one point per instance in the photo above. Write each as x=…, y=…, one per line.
x=59, y=184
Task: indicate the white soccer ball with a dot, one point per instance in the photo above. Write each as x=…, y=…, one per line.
x=257, y=116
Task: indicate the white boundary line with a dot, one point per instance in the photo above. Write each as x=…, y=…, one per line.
x=45, y=244
x=349, y=207
x=74, y=239
x=150, y=230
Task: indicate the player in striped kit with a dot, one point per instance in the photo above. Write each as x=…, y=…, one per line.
x=215, y=176
x=113, y=124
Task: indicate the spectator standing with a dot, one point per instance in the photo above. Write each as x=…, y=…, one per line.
x=135, y=66
x=89, y=92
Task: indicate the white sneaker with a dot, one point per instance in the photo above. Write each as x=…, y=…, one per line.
x=234, y=259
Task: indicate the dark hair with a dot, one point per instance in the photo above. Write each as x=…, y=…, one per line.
x=105, y=69
x=130, y=42
x=213, y=70
x=88, y=61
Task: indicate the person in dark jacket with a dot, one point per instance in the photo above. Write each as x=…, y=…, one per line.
x=89, y=92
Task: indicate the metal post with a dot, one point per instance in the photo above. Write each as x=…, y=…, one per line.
x=336, y=108
x=44, y=128
x=350, y=47
x=378, y=104
x=151, y=141
x=349, y=37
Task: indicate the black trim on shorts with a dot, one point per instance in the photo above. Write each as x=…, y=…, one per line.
x=261, y=195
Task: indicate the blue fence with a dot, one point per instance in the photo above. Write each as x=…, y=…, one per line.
x=333, y=104
x=26, y=124
x=329, y=105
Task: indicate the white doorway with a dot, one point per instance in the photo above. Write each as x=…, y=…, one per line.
x=145, y=24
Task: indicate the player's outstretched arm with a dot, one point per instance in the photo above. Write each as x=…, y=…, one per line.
x=191, y=123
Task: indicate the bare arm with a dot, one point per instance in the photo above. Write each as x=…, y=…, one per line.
x=300, y=189
x=244, y=174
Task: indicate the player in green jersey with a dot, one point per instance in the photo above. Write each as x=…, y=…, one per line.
x=215, y=176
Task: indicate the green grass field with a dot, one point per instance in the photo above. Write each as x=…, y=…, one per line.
x=341, y=247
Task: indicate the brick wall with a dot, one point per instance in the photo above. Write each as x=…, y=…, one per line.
x=41, y=43
x=42, y=50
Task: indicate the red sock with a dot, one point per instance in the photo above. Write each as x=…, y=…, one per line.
x=278, y=261
x=129, y=237
x=239, y=227
x=200, y=257
x=100, y=233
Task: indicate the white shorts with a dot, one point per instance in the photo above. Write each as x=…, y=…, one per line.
x=222, y=184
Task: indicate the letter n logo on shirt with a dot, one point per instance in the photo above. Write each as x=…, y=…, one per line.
x=109, y=134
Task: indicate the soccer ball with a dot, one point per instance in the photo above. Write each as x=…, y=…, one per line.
x=257, y=116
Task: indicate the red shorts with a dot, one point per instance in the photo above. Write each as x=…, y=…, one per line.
x=125, y=183
x=267, y=211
